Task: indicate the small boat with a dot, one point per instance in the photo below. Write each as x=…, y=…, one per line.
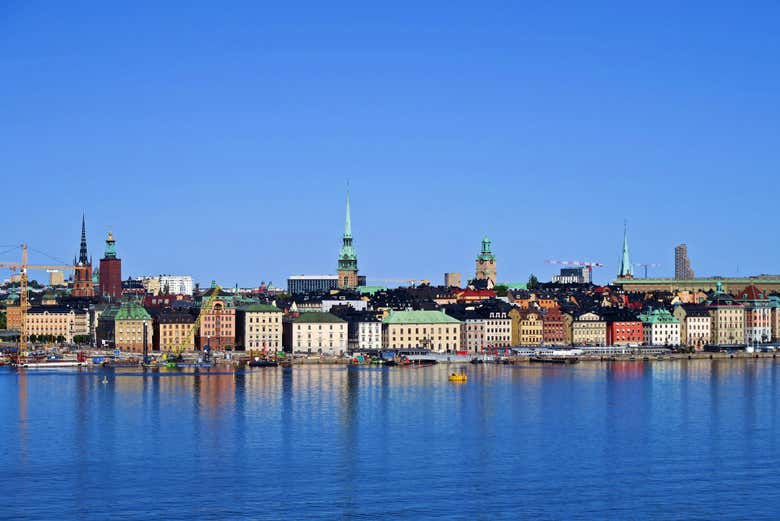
x=263, y=363
x=458, y=377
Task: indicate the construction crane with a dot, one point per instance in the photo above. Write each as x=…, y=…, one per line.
x=411, y=282
x=205, y=306
x=586, y=264
x=23, y=267
x=647, y=265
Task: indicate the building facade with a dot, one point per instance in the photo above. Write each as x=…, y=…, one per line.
x=660, y=328
x=695, y=325
x=624, y=329
x=132, y=327
x=590, y=329
x=174, y=331
x=432, y=330
x=110, y=271
x=483, y=327
x=315, y=333
x=553, y=327
x=259, y=326
x=758, y=315
x=217, y=323
x=298, y=284
x=56, y=323
x=727, y=320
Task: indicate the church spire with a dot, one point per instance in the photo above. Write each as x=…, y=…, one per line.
x=348, y=221
x=626, y=271
x=83, y=258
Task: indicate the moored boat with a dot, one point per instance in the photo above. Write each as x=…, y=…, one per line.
x=263, y=363
x=554, y=359
x=458, y=377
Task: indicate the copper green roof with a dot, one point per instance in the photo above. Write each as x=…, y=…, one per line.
x=658, y=316
x=370, y=289
x=316, y=317
x=419, y=317
x=260, y=308
x=131, y=310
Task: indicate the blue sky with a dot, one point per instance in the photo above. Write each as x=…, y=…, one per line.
x=217, y=140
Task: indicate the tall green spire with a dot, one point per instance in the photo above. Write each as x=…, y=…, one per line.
x=348, y=222
x=486, y=253
x=625, y=261
x=348, y=256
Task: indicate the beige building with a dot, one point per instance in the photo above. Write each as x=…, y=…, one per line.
x=259, y=326
x=130, y=322
x=315, y=333
x=452, y=280
x=432, y=330
x=695, y=325
x=483, y=327
x=56, y=323
x=589, y=329
x=728, y=320
x=57, y=278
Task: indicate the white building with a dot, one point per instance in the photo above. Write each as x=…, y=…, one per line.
x=315, y=333
x=370, y=335
x=176, y=284
x=357, y=305
x=660, y=328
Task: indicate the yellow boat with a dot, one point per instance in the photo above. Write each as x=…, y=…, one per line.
x=455, y=377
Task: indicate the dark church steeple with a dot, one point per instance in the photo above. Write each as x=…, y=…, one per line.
x=83, y=259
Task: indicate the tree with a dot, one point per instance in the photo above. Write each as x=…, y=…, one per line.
x=3, y=322
x=533, y=282
x=501, y=290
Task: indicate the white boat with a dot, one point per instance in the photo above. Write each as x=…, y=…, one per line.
x=52, y=364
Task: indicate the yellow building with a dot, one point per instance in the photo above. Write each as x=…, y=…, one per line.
x=56, y=323
x=432, y=330
x=174, y=331
x=526, y=327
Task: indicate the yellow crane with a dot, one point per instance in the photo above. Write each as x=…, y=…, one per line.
x=23, y=267
x=204, y=307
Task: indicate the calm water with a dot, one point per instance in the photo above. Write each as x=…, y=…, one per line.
x=660, y=440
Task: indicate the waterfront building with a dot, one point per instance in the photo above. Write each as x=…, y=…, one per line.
x=348, y=262
x=105, y=329
x=695, y=325
x=483, y=327
x=626, y=270
x=660, y=328
x=56, y=278
x=259, y=326
x=132, y=327
x=314, y=333
x=758, y=315
x=589, y=328
x=774, y=303
x=486, y=264
x=297, y=284
x=728, y=319
x=527, y=327
x=682, y=264
x=56, y=323
x=110, y=279
x=174, y=331
x=217, y=321
x=364, y=329
x=553, y=327
x=452, y=280
x=623, y=328
x=82, y=271
x=432, y=330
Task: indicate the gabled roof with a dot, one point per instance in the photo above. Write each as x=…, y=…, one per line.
x=131, y=310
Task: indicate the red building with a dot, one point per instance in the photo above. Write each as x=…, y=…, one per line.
x=111, y=271
x=553, y=327
x=624, y=328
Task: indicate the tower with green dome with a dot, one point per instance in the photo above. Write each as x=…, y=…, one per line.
x=348, y=264
x=486, y=262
